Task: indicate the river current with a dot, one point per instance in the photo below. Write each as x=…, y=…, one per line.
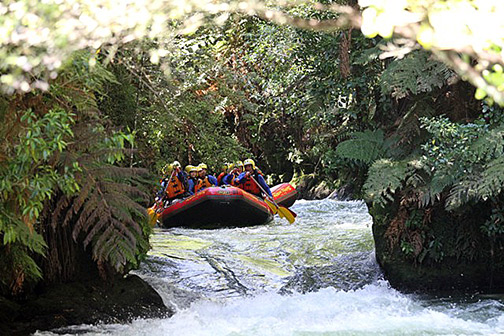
x=317, y=276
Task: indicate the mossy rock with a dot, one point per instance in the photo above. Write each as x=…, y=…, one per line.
x=87, y=302
x=464, y=259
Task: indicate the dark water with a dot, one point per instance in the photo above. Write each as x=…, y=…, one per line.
x=315, y=277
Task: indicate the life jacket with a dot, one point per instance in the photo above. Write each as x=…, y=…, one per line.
x=174, y=188
x=194, y=182
x=250, y=186
x=220, y=177
x=233, y=178
x=202, y=184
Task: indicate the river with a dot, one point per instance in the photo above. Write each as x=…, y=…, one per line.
x=317, y=276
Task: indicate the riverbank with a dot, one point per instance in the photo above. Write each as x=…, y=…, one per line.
x=87, y=302
x=315, y=187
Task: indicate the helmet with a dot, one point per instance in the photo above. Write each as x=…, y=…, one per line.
x=167, y=169
x=193, y=169
x=176, y=164
x=202, y=166
x=188, y=168
x=225, y=166
x=239, y=164
x=249, y=162
x=230, y=167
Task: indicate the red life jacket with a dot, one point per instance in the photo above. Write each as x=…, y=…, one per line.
x=219, y=178
x=233, y=182
x=251, y=186
x=202, y=184
x=174, y=188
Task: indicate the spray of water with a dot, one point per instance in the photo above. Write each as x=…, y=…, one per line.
x=316, y=277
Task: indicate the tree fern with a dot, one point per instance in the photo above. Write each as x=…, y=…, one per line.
x=489, y=183
x=417, y=72
x=437, y=184
x=366, y=147
x=385, y=177
x=489, y=145
x=44, y=161
x=104, y=214
x=466, y=159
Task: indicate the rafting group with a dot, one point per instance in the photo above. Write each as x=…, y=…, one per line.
x=238, y=196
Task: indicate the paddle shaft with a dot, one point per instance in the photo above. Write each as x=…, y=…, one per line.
x=262, y=189
x=156, y=205
x=271, y=198
x=267, y=195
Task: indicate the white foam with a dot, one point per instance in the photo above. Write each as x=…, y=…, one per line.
x=375, y=309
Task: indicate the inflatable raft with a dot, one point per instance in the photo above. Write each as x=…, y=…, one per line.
x=224, y=206
x=284, y=194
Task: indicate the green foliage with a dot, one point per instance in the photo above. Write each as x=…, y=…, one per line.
x=494, y=226
x=465, y=157
x=17, y=267
x=105, y=213
x=417, y=72
x=434, y=250
x=27, y=180
x=385, y=177
x=61, y=148
x=407, y=248
x=367, y=146
x=426, y=24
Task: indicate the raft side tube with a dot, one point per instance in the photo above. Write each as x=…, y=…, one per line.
x=284, y=194
x=217, y=207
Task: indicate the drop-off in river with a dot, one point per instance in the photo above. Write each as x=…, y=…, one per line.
x=317, y=276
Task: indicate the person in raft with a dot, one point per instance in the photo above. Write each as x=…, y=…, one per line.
x=166, y=172
x=248, y=184
x=192, y=180
x=176, y=184
x=204, y=180
x=225, y=167
x=234, y=172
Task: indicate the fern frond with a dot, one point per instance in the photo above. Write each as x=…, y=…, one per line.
x=385, y=177
x=491, y=182
x=415, y=73
x=489, y=145
x=365, y=146
x=487, y=184
x=462, y=192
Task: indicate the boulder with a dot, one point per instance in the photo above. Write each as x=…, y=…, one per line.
x=88, y=302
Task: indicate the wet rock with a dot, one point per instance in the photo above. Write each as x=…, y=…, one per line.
x=311, y=187
x=87, y=302
x=343, y=193
x=316, y=187
x=348, y=272
x=447, y=250
x=321, y=191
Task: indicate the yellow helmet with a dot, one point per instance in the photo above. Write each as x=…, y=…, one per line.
x=193, y=169
x=230, y=167
x=188, y=168
x=225, y=166
x=167, y=169
x=249, y=162
x=239, y=164
x=202, y=166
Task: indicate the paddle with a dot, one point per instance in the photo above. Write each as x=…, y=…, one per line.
x=152, y=211
x=282, y=211
x=153, y=215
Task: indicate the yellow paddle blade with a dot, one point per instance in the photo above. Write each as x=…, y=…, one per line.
x=272, y=206
x=153, y=216
x=286, y=213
